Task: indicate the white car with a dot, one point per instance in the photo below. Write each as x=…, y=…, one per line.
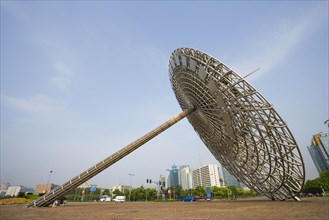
x=105, y=198
x=119, y=199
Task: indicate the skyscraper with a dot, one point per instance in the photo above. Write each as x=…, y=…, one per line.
x=173, y=176
x=319, y=151
x=185, y=177
x=206, y=175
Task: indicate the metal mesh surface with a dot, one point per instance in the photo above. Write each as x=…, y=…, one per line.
x=237, y=124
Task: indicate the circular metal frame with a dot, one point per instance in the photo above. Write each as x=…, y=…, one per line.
x=237, y=124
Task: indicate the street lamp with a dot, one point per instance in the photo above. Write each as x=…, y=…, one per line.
x=131, y=175
x=50, y=172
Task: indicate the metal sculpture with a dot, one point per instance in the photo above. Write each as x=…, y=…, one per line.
x=236, y=123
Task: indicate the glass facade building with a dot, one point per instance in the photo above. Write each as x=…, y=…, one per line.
x=173, y=179
x=319, y=151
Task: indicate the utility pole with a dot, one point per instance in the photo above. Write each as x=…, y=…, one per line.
x=131, y=175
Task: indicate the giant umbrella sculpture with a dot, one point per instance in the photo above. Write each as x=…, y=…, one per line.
x=237, y=124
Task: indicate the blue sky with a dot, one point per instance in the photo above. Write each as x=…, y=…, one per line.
x=82, y=79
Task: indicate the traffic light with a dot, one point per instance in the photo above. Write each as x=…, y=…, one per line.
x=147, y=180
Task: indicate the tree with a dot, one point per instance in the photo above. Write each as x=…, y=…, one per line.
x=200, y=191
x=139, y=194
x=175, y=191
x=216, y=192
x=315, y=186
x=186, y=192
x=117, y=192
x=227, y=192
x=324, y=180
x=151, y=193
x=240, y=192
x=106, y=192
x=222, y=192
x=252, y=192
x=92, y=195
x=126, y=192
x=21, y=195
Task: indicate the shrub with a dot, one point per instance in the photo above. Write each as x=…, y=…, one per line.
x=21, y=195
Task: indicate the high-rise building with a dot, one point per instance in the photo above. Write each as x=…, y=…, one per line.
x=120, y=187
x=13, y=190
x=185, y=177
x=319, y=151
x=173, y=179
x=221, y=176
x=207, y=175
x=3, y=188
x=86, y=185
x=163, y=182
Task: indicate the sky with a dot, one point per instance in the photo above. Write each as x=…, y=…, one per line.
x=82, y=79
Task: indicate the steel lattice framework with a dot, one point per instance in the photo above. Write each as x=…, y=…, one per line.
x=240, y=128
x=237, y=124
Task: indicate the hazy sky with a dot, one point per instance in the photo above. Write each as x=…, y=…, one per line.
x=82, y=79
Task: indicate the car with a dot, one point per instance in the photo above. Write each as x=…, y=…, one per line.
x=189, y=199
x=105, y=198
x=119, y=199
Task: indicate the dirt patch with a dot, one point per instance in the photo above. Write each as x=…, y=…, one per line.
x=14, y=201
x=308, y=208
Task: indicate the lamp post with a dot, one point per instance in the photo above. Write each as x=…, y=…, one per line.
x=131, y=175
x=50, y=172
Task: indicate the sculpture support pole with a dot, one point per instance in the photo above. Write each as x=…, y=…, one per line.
x=51, y=196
